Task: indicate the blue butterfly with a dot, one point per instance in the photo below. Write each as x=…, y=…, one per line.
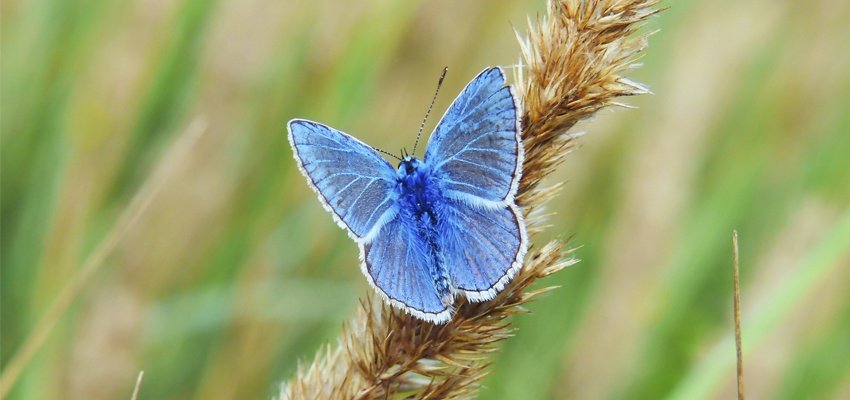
x=435, y=228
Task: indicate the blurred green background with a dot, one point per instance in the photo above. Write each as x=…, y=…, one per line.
x=233, y=272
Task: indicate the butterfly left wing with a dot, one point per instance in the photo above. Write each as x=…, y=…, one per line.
x=397, y=264
x=476, y=147
x=352, y=180
x=483, y=247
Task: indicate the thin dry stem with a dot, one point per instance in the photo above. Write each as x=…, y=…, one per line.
x=573, y=57
x=138, y=386
x=739, y=351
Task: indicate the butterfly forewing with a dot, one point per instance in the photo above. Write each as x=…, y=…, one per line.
x=353, y=181
x=475, y=147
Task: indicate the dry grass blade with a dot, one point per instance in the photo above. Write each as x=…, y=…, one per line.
x=574, y=58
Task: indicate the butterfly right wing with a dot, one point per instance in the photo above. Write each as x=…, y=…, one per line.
x=476, y=147
x=352, y=180
x=397, y=265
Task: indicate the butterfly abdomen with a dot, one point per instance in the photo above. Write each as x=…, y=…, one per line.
x=427, y=226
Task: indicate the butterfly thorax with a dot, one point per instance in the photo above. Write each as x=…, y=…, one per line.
x=417, y=191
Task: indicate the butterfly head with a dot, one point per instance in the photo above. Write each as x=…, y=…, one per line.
x=409, y=165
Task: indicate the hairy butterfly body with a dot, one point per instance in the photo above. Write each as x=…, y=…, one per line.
x=436, y=228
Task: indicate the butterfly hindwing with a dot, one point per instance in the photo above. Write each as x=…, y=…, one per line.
x=483, y=247
x=476, y=147
x=397, y=264
x=353, y=181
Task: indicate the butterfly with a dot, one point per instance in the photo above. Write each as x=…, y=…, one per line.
x=437, y=228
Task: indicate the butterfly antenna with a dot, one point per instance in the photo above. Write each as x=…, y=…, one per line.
x=386, y=152
x=436, y=92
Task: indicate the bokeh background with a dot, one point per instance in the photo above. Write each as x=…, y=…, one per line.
x=145, y=140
